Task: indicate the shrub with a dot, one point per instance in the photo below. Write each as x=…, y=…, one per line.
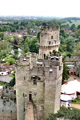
x=73, y=114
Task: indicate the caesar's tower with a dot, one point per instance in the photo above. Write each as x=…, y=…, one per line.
x=49, y=40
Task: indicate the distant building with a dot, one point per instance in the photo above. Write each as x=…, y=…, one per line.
x=73, y=64
x=5, y=78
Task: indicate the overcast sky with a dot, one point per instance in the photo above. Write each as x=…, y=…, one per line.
x=58, y=8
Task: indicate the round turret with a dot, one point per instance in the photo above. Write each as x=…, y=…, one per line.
x=49, y=40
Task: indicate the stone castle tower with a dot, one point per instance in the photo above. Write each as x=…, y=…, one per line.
x=49, y=40
x=38, y=79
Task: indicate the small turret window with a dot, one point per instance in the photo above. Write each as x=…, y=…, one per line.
x=24, y=78
x=49, y=42
x=59, y=67
x=51, y=37
x=23, y=94
x=55, y=42
x=57, y=58
x=34, y=80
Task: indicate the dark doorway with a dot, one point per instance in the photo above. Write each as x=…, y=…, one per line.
x=30, y=97
x=44, y=56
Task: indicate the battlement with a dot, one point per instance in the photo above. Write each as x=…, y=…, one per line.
x=50, y=28
x=35, y=61
x=26, y=60
x=23, y=61
x=50, y=61
x=55, y=60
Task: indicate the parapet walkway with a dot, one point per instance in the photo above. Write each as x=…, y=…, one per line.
x=29, y=114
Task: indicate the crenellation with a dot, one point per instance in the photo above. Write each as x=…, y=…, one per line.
x=52, y=28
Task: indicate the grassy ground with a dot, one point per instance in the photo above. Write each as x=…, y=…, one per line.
x=3, y=83
x=77, y=101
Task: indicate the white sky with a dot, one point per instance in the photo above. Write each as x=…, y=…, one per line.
x=58, y=8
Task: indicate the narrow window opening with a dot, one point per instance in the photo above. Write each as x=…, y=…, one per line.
x=49, y=42
x=59, y=67
x=35, y=82
x=24, y=78
x=30, y=97
x=51, y=37
x=38, y=78
x=55, y=42
x=44, y=56
x=34, y=79
x=43, y=84
x=23, y=94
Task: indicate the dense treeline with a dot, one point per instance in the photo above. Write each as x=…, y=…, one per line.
x=20, y=25
x=70, y=41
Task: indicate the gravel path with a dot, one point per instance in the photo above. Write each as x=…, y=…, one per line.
x=75, y=106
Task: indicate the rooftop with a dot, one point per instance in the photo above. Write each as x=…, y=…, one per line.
x=5, y=79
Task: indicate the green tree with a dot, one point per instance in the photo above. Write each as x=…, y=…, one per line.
x=26, y=47
x=4, y=49
x=28, y=41
x=38, y=35
x=66, y=74
x=13, y=30
x=1, y=35
x=70, y=44
x=65, y=113
x=10, y=60
x=21, y=28
x=15, y=56
x=62, y=39
x=77, y=49
x=31, y=45
x=34, y=45
x=78, y=27
x=77, y=32
x=73, y=26
x=12, y=82
x=63, y=33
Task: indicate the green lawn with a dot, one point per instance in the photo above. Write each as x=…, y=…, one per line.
x=3, y=83
x=77, y=101
x=76, y=22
